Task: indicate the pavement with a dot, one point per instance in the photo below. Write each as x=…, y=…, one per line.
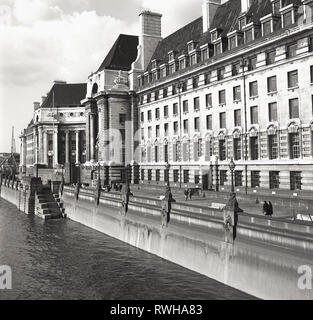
x=283, y=212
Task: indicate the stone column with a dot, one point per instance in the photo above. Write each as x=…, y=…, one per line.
x=77, y=147
x=55, y=147
x=92, y=137
x=45, y=148
x=67, y=146
x=40, y=146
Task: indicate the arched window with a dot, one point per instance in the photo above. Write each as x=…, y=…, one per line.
x=95, y=89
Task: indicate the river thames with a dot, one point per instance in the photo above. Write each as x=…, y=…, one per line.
x=62, y=259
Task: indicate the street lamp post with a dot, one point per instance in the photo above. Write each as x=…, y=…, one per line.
x=167, y=170
x=232, y=167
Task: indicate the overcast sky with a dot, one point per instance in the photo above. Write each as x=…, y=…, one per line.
x=45, y=40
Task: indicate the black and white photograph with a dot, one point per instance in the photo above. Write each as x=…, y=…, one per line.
x=156, y=151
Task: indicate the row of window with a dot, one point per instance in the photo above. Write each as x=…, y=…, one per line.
x=183, y=154
x=274, y=182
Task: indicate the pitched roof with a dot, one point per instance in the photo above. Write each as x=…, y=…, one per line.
x=122, y=54
x=65, y=95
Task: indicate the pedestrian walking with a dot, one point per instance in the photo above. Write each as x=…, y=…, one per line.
x=265, y=208
x=186, y=194
x=270, y=209
x=190, y=194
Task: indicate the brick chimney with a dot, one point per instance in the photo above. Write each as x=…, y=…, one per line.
x=150, y=35
x=209, y=8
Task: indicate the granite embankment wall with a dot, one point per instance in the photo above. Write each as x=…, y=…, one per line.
x=263, y=262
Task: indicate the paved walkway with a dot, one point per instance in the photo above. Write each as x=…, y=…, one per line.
x=247, y=206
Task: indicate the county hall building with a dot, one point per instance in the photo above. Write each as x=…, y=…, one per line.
x=236, y=83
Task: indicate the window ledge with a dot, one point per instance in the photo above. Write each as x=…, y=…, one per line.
x=253, y=97
x=237, y=101
x=293, y=88
x=222, y=105
x=272, y=93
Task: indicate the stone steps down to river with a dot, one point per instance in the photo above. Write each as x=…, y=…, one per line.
x=48, y=205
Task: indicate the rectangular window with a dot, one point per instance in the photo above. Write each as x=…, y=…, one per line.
x=186, y=176
x=287, y=19
x=218, y=48
x=222, y=120
x=252, y=63
x=149, y=132
x=197, y=124
x=149, y=115
x=204, y=54
x=267, y=28
x=253, y=89
x=272, y=111
x=272, y=84
x=156, y=153
x=208, y=100
x=197, y=177
x=237, y=149
x=222, y=150
x=142, y=174
x=232, y=43
x=157, y=130
x=148, y=97
x=165, y=111
x=185, y=106
x=176, y=175
x=311, y=74
x=184, y=86
x=255, y=179
x=237, y=93
x=142, y=117
x=294, y=108
x=294, y=145
x=254, y=115
x=291, y=50
x=166, y=153
x=274, y=179
x=175, y=127
x=273, y=146
x=254, y=148
x=156, y=95
x=220, y=74
x=196, y=104
x=223, y=177
x=166, y=129
x=157, y=175
x=182, y=64
x=293, y=79
x=175, y=109
x=186, y=151
x=157, y=114
x=186, y=127
x=149, y=174
x=237, y=118
x=207, y=78
x=222, y=97
x=235, y=69
x=209, y=122
x=195, y=82
x=174, y=89
x=249, y=36
x=270, y=57
x=295, y=180
x=238, y=178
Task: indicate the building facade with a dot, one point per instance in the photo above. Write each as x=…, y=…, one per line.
x=235, y=83
x=54, y=143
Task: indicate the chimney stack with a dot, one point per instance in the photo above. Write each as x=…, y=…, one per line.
x=209, y=8
x=59, y=82
x=150, y=36
x=36, y=105
x=245, y=4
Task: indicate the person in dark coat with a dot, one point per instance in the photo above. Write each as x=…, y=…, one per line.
x=266, y=208
x=186, y=194
x=270, y=209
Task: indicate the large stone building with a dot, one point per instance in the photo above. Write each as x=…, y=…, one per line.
x=235, y=83
x=54, y=143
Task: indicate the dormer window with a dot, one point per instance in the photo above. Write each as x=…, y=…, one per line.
x=193, y=59
x=218, y=48
x=275, y=6
x=164, y=70
x=234, y=39
x=153, y=64
x=251, y=31
x=171, y=56
x=288, y=15
x=172, y=68
x=270, y=23
x=242, y=21
x=182, y=62
x=190, y=46
x=204, y=52
x=215, y=34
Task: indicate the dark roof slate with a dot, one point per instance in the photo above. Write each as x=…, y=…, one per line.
x=65, y=95
x=122, y=54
